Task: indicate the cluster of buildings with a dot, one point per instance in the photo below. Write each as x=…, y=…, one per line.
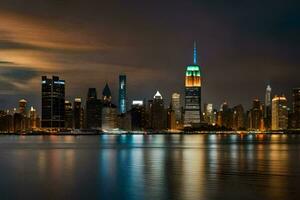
x=99, y=113
x=19, y=119
x=272, y=114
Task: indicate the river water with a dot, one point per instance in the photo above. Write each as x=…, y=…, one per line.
x=150, y=167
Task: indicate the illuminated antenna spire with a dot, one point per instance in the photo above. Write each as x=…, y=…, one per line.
x=195, y=52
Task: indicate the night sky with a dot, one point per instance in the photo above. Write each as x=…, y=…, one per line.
x=242, y=46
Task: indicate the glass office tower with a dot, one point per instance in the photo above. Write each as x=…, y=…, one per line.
x=53, y=102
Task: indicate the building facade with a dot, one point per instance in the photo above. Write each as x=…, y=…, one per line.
x=238, y=118
x=77, y=114
x=109, y=110
x=157, y=113
x=256, y=116
x=33, y=118
x=208, y=115
x=279, y=113
x=171, y=119
x=109, y=117
x=295, y=121
x=93, y=110
x=23, y=107
x=19, y=122
x=6, y=122
x=176, y=106
x=68, y=115
x=268, y=108
x=193, y=82
x=122, y=94
x=53, y=102
x=138, y=115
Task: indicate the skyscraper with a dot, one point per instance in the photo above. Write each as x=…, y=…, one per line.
x=171, y=119
x=77, y=114
x=208, y=113
x=157, y=113
x=93, y=110
x=296, y=109
x=68, y=115
x=238, y=117
x=23, y=107
x=32, y=117
x=92, y=94
x=109, y=110
x=279, y=113
x=53, y=102
x=138, y=120
x=106, y=95
x=226, y=115
x=19, y=122
x=122, y=94
x=256, y=116
x=6, y=122
x=192, y=107
x=109, y=117
x=267, y=108
x=175, y=104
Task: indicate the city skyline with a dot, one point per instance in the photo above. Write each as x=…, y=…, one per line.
x=193, y=78
x=182, y=99
x=116, y=98
x=238, y=61
x=100, y=113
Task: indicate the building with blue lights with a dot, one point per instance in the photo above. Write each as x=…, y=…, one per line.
x=122, y=94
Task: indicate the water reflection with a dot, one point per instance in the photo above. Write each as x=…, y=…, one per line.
x=150, y=167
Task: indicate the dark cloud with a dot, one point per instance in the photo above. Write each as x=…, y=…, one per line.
x=242, y=45
x=5, y=62
x=18, y=74
x=14, y=78
x=16, y=82
x=11, y=45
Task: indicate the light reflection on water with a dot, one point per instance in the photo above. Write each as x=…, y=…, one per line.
x=150, y=167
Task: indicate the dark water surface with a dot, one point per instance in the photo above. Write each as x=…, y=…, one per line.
x=150, y=167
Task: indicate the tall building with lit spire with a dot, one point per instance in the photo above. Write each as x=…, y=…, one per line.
x=192, y=106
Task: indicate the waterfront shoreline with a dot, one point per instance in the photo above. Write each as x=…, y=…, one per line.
x=155, y=133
